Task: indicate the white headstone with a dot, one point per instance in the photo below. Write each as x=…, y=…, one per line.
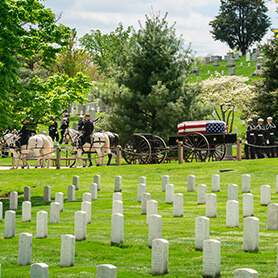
x=42, y=220
x=215, y=183
x=247, y=57
x=249, y=65
x=86, y=197
x=208, y=71
x=143, y=180
x=93, y=191
x=265, y=195
x=106, y=271
x=9, y=224
x=191, y=183
x=117, y=228
x=160, y=251
x=97, y=181
x=75, y=182
x=230, y=62
x=155, y=227
x=246, y=183
x=39, y=270
x=245, y=273
x=201, y=231
x=232, y=71
x=146, y=197
x=222, y=72
x=232, y=192
x=27, y=193
x=251, y=234
x=118, y=184
x=248, y=207
x=152, y=206
x=71, y=193
x=202, y=191
x=272, y=216
x=232, y=214
x=25, y=249
x=54, y=213
x=141, y=188
x=211, y=205
x=80, y=221
x=165, y=180
x=236, y=56
x=117, y=207
x=26, y=211
x=13, y=200
x=67, y=250
x=254, y=57
x=117, y=196
x=47, y=194
x=87, y=207
x=59, y=198
x=178, y=205
x=211, y=258
x=1, y=211
x=169, y=196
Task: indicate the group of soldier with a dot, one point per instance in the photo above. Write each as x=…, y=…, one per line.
x=260, y=139
x=85, y=127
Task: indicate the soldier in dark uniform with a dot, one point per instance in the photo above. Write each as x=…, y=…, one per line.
x=260, y=133
x=80, y=123
x=270, y=133
x=250, y=139
x=53, y=130
x=87, y=130
x=63, y=127
x=25, y=133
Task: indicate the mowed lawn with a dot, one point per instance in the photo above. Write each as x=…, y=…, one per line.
x=133, y=257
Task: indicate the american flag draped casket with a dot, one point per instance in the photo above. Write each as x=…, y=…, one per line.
x=204, y=127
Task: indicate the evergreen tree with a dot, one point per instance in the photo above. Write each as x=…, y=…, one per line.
x=151, y=93
x=240, y=23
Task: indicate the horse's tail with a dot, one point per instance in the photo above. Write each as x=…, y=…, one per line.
x=106, y=144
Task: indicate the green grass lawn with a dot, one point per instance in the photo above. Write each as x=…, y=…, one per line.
x=133, y=257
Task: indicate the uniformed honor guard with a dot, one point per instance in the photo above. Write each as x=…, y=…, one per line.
x=53, y=130
x=87, y=130
x=270, y=133
x=260, y=140
x=250, y=139
x=63, y=127
x=25, y=133
x=81, y=123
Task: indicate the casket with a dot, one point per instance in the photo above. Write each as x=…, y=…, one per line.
x=204, y=127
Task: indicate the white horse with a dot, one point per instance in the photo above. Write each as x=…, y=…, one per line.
x=100, y=144
x=40, y=144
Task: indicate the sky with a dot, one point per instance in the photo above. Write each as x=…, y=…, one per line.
x=191, y=18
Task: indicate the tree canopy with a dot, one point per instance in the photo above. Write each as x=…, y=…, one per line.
x=240, y=23
x=225, y=93
x=151, y=93
x=27, y=29
x=105, y=48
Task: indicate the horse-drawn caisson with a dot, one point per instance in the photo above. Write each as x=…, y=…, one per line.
x=201, y=140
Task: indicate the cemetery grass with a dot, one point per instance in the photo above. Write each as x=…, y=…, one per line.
x=133, y=257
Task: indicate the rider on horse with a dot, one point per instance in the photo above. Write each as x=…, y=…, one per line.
x=25, y=133
x=87, y=131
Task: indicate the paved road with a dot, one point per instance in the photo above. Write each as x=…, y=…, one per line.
x=31, y=167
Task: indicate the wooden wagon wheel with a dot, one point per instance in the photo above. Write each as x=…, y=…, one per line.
x=159, y=150
x=195, y=147
x=217, y=152
x=137, y=149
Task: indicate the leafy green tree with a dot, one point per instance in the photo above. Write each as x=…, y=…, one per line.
x=152, y=93
x=106, y=48
x=240, y=23
x=72, y=60
x=50, y=97
x=266, y=101
x=26, y=30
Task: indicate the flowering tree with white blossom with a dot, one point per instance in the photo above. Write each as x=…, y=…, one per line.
x=225, y=93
